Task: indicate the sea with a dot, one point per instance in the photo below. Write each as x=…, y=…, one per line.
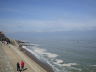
x=65, y=54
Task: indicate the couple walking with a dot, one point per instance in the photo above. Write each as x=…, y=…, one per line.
x=20, y=66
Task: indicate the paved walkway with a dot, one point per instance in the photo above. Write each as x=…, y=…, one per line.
x=5, y=65
x=12, y=55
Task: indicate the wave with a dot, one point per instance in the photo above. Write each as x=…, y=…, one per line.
x=59, y=61
x=44, y=52
x=93, y=65
x=70, y=64
x=50, y=58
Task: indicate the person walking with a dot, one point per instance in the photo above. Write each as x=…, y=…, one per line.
x=18, y=67
x=22, y=65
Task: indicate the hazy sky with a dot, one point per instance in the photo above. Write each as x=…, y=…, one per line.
x=47, y=15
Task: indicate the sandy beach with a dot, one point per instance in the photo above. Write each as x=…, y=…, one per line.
x=10, y=55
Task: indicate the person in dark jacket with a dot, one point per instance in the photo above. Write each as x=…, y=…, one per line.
x=18, y=67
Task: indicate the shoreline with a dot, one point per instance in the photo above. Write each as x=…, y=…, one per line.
x=46, y=66
x=14, y=51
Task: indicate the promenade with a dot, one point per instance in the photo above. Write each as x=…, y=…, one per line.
x=10, y=55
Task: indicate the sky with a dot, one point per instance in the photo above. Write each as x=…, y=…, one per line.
x=47, y=15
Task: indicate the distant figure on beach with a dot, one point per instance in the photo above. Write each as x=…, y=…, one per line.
x=22, y=65
x=18, y=67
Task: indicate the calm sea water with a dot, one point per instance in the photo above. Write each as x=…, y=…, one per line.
x=67, y=55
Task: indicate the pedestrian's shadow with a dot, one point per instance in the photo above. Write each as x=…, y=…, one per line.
x=25, y=69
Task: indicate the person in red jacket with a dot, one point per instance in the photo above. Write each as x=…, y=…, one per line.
x=22, y=65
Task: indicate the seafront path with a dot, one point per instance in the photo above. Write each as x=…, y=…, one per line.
x=10, y=55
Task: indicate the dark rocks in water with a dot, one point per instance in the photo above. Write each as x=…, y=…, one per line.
x=19, y=41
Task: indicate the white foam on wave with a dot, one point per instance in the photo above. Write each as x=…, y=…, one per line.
x=39, y=50
x=53, y=61
x=69, y=64
x=44, y=52
x=59, y=61
x=51, y=55
x=93, y=65
x=24, y=47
